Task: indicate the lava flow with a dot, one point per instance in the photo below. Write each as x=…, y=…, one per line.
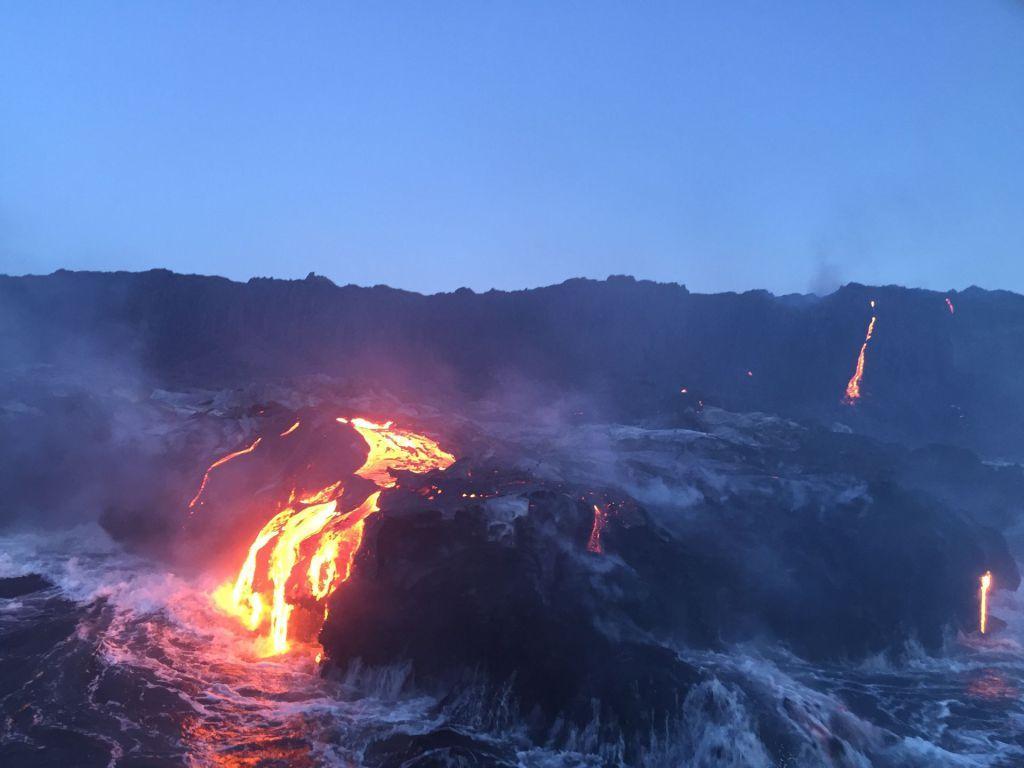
x=853, y=386
x=222, y=460
x=394, y=449
x=949, y=305
x=986, y=582
x=315, y=540
x=600, y=520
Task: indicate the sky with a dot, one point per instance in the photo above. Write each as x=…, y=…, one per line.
x=726, y=145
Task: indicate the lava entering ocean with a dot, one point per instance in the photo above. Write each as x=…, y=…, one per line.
x=853, y=386
x=315, y=540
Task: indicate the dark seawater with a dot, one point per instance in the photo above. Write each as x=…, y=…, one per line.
x=119, y=664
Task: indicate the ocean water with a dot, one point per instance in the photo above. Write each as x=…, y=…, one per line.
x=123, y=664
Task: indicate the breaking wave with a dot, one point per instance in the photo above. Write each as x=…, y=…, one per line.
x=146, y=669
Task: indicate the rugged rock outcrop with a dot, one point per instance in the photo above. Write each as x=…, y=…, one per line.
x=621, y=347
x=503, y=594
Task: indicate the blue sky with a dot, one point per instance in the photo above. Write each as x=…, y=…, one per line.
x=431, y=145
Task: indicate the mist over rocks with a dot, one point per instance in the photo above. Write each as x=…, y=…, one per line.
x=825, y=561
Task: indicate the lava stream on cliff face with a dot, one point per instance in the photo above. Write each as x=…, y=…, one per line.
x=600, y=520
x=986, y=584
x=853, y=385
x=307, y=549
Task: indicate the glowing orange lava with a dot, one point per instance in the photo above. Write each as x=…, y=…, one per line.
x=290, y=429
x=339, y=545
x=600, y=519
x=853, y=386
x=949, y=305
x=222, y=460
x=396, y=449
x=986, y=583
x=307, y=549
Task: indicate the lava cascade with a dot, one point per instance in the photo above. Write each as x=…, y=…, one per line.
x=853, y=385
x=307, y=549
x=986, y=584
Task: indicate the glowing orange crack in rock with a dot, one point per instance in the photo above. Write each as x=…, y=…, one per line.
x=220, y=462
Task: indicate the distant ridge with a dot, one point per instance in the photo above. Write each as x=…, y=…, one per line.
x=626, y=346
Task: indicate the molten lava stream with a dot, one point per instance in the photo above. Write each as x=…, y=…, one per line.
x=290, y=529
x=341, y=543
x=600, y=520
x=853, y=385
x=986, y=583
x=314, y=542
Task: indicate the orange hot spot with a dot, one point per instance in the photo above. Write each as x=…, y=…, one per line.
x=986, y=583
x=853, y=386
x=332, y=491
x=219, y=462
x=600, y=520
x=949, y=306
x=290, y=429
x=397, y=449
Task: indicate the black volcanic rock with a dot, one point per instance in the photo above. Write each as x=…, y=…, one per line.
x=17, y=586
x=526, y=614
x=442, y=748
x=515, y=607
x=844, y=581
